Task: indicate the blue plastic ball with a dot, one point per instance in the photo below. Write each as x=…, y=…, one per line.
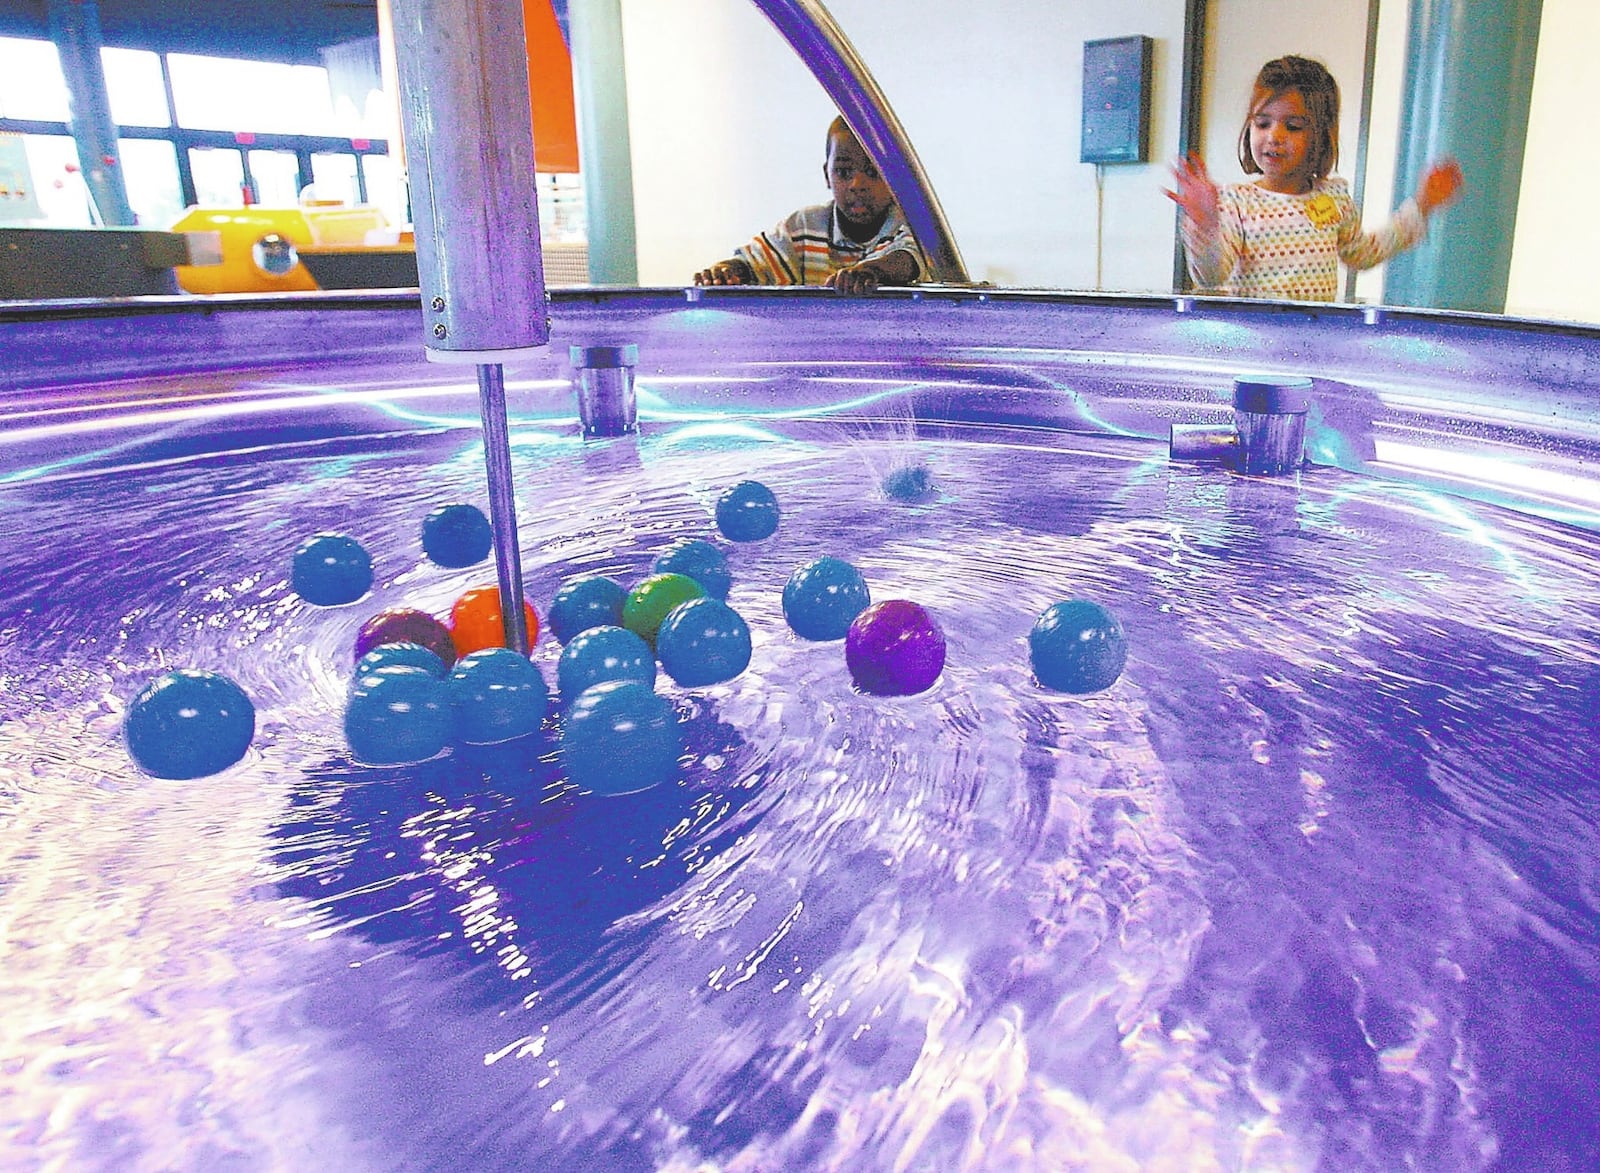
x=747, y=512
x=908, y=483
x=497, y=695
x=330, y=569
x=189, y=723
x=590, y=600
x=396, y=715
x=1077, y=647
x=703, y=641
x=457, y=535
x=412, y=654
x=700, y=561
x=822, y=598
x=601, y=654
x=619, y=737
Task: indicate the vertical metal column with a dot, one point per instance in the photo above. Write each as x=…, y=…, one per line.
x=1468, y=89
x=606, y=156
x=1191, y=95
x=468, y=132
x=75, y=28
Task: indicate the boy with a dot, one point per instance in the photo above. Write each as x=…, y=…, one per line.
x=855, y=244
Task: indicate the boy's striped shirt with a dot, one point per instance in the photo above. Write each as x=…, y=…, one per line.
x=808, y=247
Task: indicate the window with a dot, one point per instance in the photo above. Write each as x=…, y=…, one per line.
x=150, y=171
x=221, y=93
x=229, y=121
x=63, y=195
x=218, y=177
x=386, y=187
x=31, y=84
x=334, y=177
x=133, y=83
x=277, y=178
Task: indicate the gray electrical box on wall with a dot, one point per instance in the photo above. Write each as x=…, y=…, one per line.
x=1116, y=100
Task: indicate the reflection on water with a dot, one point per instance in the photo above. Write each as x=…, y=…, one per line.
x=1317, y=883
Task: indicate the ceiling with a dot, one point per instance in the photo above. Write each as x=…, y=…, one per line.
x=279, y=30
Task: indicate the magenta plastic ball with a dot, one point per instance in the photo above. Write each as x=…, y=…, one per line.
x=894, y=648
x=406, y=625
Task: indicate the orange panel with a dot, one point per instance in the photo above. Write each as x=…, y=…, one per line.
x=555, y=123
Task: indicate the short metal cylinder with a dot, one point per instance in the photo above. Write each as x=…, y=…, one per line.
x=468, y=129
x=603, y=379
x=1203, y=442
x=1269, y=413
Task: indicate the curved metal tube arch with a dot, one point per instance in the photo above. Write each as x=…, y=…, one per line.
x=813, y=33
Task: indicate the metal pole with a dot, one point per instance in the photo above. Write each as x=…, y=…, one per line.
x=468, y=132
x=813, y=33
x=1191, y=91
x=502, y=504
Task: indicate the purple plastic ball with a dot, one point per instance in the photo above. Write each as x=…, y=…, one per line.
x=406, y=625
x=894, y=648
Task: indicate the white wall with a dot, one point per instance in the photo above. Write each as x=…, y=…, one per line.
x=1555, y=262
x=726, y=127
x=727, y=130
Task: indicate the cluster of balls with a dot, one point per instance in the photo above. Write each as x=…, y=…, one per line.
x=191, y=722
x=421, y=684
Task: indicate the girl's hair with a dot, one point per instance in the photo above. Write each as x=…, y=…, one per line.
x=1321, y=95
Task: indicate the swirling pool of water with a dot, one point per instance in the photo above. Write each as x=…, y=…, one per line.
x=1315, y=884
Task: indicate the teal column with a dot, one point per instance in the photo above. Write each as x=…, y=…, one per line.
x=75, y=28
x=1468, y=88
x=600, y=90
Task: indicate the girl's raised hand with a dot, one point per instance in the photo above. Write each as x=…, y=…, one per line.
x=1441, y=184
x=1196, y=194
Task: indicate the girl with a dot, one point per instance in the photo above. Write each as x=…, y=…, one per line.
x=1284, y=235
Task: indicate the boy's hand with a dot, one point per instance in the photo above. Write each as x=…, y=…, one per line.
x=896, y=268
x=862, y=278
x=734, y=272
x=1440, y=185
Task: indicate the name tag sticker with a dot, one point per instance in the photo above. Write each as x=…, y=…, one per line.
x=1321, y=210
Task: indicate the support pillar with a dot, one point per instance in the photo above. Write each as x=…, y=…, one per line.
x=1468, y=89
x=605, y=154
x=75, y=28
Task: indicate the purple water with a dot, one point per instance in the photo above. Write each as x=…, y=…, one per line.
x=1315, y=884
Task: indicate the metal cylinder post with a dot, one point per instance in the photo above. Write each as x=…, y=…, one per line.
x=1269, y=412
x=468, y=130
x=601, y=90
x=607, y=403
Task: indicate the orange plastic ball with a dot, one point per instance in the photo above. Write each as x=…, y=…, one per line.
x=476, y=621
